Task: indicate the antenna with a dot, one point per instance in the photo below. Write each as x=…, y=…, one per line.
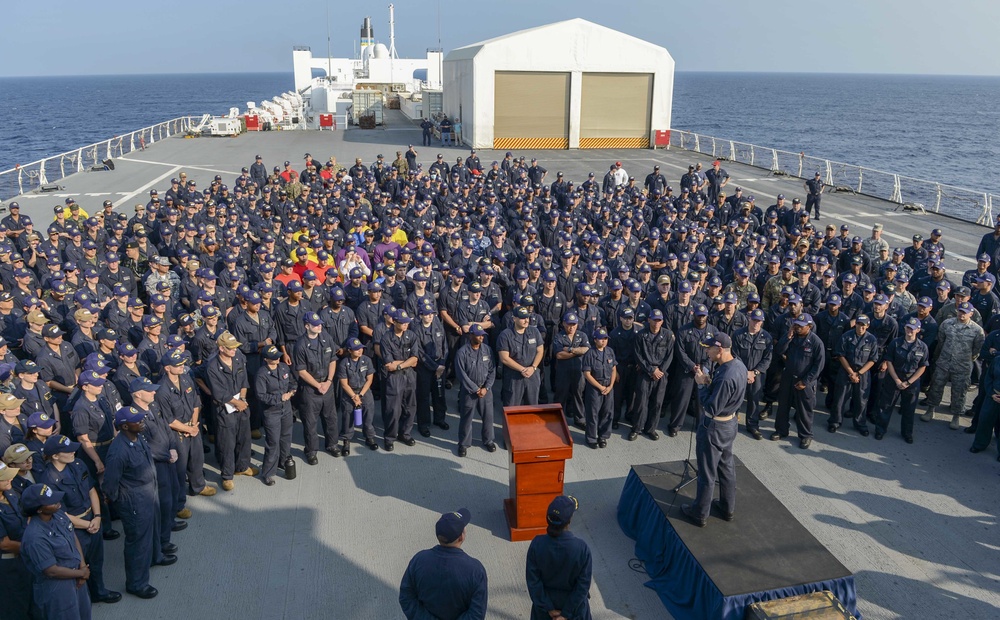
x=329, y=60
x=392, y=32
x=440, y=82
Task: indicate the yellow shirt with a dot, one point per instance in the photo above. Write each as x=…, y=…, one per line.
x=400, y=237
x=310, y=257
x=68, y=213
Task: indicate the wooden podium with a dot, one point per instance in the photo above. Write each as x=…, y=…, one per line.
x=539, y=443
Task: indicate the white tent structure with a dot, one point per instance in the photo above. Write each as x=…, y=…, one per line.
x=571, y=84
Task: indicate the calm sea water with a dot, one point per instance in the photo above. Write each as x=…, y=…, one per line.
x=934, y=127
x=47, y=116
x=940, y=128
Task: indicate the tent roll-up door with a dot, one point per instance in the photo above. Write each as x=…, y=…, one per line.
x=615, y=110
x=531, y=110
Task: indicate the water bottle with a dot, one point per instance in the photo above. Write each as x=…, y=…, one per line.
x=357, y=417
x=290, y=468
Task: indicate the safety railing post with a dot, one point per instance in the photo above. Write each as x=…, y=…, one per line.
x=802, y=157
x=79, y=160
x=732, y=150
x=897, y=194
x=774, y=160
x=829, y=172
x=937, y=201
x=42, y=179
x=752, y=154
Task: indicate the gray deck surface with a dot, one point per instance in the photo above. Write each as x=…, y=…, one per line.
x=915, y=523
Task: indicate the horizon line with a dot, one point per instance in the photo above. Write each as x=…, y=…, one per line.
x=719, y=71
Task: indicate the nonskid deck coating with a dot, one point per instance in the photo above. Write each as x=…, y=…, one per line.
x=915, y=523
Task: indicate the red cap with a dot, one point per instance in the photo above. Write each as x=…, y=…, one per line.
x=618, y=163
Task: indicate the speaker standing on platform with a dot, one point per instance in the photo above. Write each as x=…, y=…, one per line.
x=721, y=395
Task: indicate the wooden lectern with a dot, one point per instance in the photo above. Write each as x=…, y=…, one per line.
x=539, y=443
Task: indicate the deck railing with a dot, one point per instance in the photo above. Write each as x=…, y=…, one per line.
x=958, y=202
x=29, y=177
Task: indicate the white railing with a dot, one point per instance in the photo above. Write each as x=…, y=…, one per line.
x=958, y=202
x=28, y=177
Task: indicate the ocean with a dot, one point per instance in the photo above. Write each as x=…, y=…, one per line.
x=940, y=128
x=51, y=115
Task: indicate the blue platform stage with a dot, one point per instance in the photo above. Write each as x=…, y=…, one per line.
x=717, y=571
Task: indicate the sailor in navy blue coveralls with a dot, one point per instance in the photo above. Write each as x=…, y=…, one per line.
x=130, y=484
x=559, y=567
x=162, y=442
x=75, y=481
x=444, y=582
x=476, y=373
x=53, y=556
x=600, y=369
x=276, y=385
x=15, y=580
x=804, y=355
x=356, y=373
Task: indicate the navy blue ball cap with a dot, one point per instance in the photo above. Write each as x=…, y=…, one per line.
x=561, y=510
x=57, y=444
x=38, y=495
x=450, y=525
x=128, y=415
x=142, y=384
x=717, y=340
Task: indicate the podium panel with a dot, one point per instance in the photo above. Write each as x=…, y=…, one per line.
x=539, y=443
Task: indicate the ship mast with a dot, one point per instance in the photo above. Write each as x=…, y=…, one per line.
x=392, y=32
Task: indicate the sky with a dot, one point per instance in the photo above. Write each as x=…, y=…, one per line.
x=61, y=37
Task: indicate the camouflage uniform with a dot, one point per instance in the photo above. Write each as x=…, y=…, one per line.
x=957, y=348
x=902, y=269
x=907, y=301
x=874, y=246
x=772, y=290
x=948, y=311
x=741, y=292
